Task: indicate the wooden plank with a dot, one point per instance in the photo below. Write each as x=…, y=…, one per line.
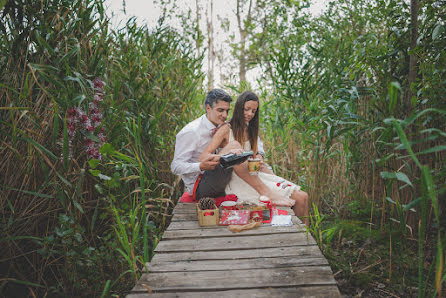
x=293, y=251
x=224, y=232
x=292, y=292
x=227, y=264
x=237, y=279
x=193, y=225
x=231, y=243
x=194, y=261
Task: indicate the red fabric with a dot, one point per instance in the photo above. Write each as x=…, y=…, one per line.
x=195, y=186
x=283, y=212
x=187, y=198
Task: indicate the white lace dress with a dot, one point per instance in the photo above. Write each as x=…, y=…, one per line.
x=247, y=194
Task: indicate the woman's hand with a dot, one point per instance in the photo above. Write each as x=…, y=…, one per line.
x=264, y=167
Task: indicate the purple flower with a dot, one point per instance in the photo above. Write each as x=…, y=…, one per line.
x=87, y=122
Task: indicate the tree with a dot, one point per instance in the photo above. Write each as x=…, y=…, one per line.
x=211, y=52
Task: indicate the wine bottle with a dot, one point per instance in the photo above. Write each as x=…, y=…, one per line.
x=230, y=160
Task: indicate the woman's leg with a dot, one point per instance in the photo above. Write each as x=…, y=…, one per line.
x=300, y=208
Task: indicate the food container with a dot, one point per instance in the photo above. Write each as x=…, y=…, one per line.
x=228, y=205
x=208, y=217
x=254, y=166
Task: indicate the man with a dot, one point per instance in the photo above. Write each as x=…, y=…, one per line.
x=203, y=179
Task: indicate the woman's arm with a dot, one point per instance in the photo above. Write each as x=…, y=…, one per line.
x=218, y=141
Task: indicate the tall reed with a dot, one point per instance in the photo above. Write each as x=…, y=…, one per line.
x=60, y=206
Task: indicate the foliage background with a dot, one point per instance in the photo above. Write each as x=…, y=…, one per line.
x=338, y=107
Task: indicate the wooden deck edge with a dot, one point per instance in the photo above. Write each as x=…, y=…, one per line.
x=181, y=292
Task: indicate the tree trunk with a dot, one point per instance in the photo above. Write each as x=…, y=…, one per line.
x=242, y=68
x=243, y=59
x=197, y=29
x=413, y=68
x=211, y=51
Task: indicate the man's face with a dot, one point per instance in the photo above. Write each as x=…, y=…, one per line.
x=219, y=113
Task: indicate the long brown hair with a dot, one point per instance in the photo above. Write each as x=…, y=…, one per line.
x=238, y=121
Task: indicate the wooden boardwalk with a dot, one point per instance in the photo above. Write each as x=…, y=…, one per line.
x=194, y=261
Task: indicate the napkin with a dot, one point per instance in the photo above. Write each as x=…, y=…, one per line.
x=281, y=220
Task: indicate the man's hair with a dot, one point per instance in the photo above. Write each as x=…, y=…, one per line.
x=215, y=95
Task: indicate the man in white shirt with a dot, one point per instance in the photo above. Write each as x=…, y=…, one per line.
x=203, y=178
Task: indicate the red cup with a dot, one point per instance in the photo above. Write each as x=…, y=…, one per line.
x=266, y=201
x=229, y=205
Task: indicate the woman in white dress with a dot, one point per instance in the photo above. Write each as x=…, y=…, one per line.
x=242, y=132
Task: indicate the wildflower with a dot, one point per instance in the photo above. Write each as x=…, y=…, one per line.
x=87, y=123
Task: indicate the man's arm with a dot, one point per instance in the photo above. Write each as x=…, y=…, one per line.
x=182, y=161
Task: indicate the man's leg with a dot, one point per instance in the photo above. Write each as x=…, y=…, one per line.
x=301, y=206
x=213, y=183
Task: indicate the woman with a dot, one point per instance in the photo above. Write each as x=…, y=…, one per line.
x=242, y=132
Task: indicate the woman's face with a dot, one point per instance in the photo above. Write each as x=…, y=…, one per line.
x=249, y=110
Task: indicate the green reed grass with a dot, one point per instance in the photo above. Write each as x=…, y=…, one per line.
x=50, y=54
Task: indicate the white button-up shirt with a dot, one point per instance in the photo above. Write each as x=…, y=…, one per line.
x=190, y=143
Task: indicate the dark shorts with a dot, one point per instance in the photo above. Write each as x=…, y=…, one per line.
x=213, y=183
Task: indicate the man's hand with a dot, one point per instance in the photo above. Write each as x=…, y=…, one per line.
x=209, y=162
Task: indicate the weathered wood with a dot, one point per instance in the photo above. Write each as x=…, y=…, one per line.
x=292, y=251
x=231, y=243
x=227, y=264
x=224, y=232
x=194, y=261
x=193, y=225
x=291, y=292
x=237, y=279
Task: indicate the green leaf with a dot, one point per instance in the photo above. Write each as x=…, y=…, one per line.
x=99, y=189
x=23, y=282
x=55, y=122
x=396, y=175
x=104, y=177
x=404, y=140
x=437, y=31
x=79, y=184
x=65, y=146
x=78, y=206
x=107, y=148
x=94, y=172
x=412, y=204
x=78, y=99
x=403, y=177
x=39, y=146
x=393, y=95
x=389, y=199
x=40, y=195
x=91, y=136
x=433, y=149
x=94, y=163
